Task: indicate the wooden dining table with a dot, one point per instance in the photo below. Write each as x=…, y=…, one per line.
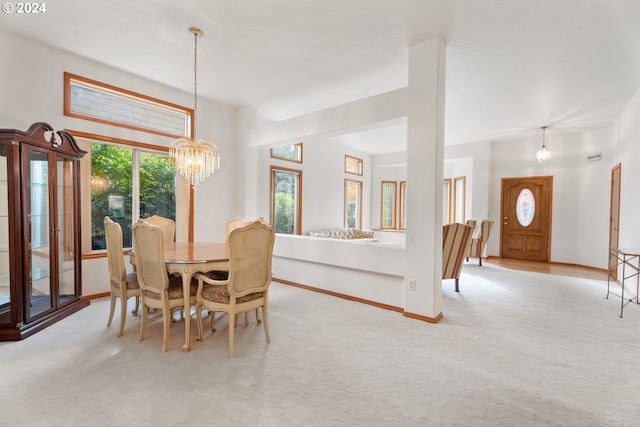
x=187, y=259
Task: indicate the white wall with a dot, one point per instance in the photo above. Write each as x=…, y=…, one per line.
x=322, y=183
x=425, y=139
x=594, y=197
x=580, y=201
x=517, y=159
x=477, y=174
x=386, y=167
x=355, y=268
x=627, y=131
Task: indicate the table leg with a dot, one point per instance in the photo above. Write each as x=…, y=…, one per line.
x=187, y=274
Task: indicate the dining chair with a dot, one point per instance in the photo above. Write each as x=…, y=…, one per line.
x=167, y=225
x=123, y=285
x=247, y=287
x=157, y=289
x=224, y=274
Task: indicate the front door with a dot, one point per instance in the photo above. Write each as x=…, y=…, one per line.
x=614, y=218
x=526, y=218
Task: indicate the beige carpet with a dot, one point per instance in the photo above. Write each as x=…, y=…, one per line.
x=513, y=349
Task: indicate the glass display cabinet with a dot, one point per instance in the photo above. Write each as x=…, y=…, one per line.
x=40, y=257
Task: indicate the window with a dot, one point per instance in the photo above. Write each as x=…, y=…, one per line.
x=99, y=102
x=286, y=200
x=353, y=165
x=129, y=180
x=459, y=195
x=525, y=207
x=292, y=152
x=352, y=203
x=446, y=200
x=388, y=214
x=403, y=205
x=128, y=183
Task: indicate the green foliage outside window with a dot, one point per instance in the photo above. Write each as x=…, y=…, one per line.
x=284, y=203
x=351, y=214
x=284, y=213
x=112, y=189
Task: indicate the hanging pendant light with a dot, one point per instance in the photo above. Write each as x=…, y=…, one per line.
x=543, y=153
x=194, y=159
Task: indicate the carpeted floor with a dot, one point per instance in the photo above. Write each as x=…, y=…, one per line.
x=513, y=349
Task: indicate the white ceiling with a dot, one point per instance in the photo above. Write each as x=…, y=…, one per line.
x=512, y=65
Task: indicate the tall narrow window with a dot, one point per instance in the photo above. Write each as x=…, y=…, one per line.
x=459, y=195
x=157, y=186
x=286, y=200
x=403, y=205
x=292, y=152
x=388, y=214
x=352, y=203
x=446, y=200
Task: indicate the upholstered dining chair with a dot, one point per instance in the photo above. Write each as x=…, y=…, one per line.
x=479, y=239
x=455, y=244
x=157, y=289
x=247, y=287
x=224, y=274
x=167, y=225
x=123, y=285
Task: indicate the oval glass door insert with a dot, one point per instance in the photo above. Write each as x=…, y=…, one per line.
x=525, y=207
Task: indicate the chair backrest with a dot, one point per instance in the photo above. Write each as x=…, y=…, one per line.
x=115, y=257
x=231, y=224
x=455, y=242
x=148, y=241
x=483, y=230
x=167, y=225
x=250, y=253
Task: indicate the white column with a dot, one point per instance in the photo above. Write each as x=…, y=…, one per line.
x=425, y=163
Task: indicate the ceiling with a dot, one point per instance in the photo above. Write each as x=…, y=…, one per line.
x=512, y=65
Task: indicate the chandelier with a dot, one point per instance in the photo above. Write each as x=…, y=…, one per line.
x=543, y=153
x=194, y=159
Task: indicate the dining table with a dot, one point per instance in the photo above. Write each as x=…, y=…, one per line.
x=188, y=259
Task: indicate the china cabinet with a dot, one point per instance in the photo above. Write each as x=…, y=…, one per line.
x=40, y=257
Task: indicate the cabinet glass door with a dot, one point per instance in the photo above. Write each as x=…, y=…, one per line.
x=5, y=273
x=65, y=234
x=36, y=175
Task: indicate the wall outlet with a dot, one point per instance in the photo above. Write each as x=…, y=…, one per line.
x=412, y=284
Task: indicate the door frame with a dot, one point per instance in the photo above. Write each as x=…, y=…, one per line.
x=550, y=213
x=616, y=172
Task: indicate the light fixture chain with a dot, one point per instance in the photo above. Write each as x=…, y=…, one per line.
x=194, y=160
x=195, y=83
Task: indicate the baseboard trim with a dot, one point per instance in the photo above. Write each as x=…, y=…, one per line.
x=96, y=296
x=361, y=300
x=423, y=318
x=339, y=295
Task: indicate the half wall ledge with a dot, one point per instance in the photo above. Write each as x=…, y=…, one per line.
x=364, y=272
